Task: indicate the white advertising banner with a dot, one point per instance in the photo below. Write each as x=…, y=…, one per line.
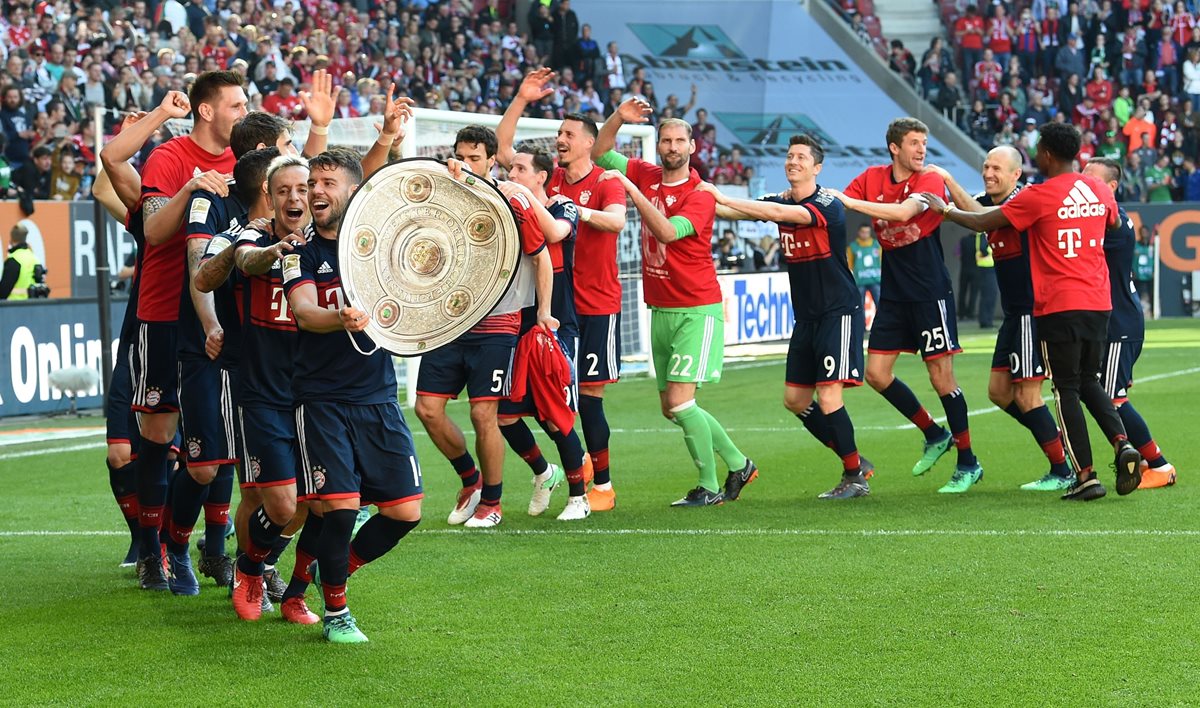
x=758, y=307
x=764, y=70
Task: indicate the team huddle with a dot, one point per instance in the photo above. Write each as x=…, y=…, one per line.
x=238, y=336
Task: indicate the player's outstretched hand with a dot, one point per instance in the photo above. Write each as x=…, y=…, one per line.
x=286, y=244
x=213, y=342
x=459, y=171
x=131, y=118
x=175, y=104
x=212, y=181
x=511, y=189
x=617, y=175
x=711, y=189
x=940, y=171
x=635, y=110
x=396, y=114
x=934, y=201
x=354, y=319
x=321, y=101
x=534, y=87
x=835, y=193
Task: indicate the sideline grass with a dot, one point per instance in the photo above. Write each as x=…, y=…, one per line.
x=996, y=597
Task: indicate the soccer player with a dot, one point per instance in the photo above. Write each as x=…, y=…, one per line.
x=207, y=367
x=176, y=169
x=1126, y=330
x=687, y=320
x=864, y=256
x=119, y=188
x=825, y=352
x=916, y=307
x=481, y=359
x=272, y=186
x=354, y=444
x=1015, y=384
x=1066, y=217
x=601, y=207
x=558, y=219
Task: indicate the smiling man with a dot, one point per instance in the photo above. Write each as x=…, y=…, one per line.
x=916, y=305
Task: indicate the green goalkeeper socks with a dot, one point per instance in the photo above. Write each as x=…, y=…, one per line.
x=722, y=444
x=697, y=433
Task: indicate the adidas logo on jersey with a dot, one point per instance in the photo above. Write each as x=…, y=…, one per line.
x=1081, y=201
x=325, y=268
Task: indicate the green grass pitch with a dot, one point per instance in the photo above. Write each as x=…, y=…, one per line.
x=906, y=597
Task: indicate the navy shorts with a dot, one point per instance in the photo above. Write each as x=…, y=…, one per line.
x=827, y=351
x=269, y=437
x=152, y=368
x=210, y=430
x=516, y=409
x=1117, y=375
x=362, y=451
x=928, y=328
x=599, y=351
x=120, y=420
x=482, y=363
x=1017, y=349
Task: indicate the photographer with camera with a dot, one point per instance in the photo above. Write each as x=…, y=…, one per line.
x=23, y=276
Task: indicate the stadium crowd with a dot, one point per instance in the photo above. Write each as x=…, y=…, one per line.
x=63, y=59
x=1125, y=72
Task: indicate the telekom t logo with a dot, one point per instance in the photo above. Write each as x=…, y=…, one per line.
x=1069, y=240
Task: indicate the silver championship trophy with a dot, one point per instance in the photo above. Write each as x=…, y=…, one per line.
x=426, y=256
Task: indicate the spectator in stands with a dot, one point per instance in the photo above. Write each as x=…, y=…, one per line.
x=1070, y=95
x=860, y=28
x=1000, y=35
x=950, y=100
x=566, y=34
x=1111, y=147
x=1070, y=59
x=1100, y=89
x=1191, y=76
x=1159, y=180
x=1137, y=129
x=979, y=124
x=65, y=177
x=1191, y=181
x=1053, y=36
x=968, y=35
x=284, y=102
x=6, y=172
x=32, y=180
x=935, y=64
x=1035, y=111
x=1133, y=186
x=1027, y=39
x=615, y=70
x=989, y=73
x=1099, y=54
x=901, y=61
x=1133, y=56
x=541, y=30
x=767, y=255
x=17, y=125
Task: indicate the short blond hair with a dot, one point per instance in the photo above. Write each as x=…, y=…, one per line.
x=666, y=123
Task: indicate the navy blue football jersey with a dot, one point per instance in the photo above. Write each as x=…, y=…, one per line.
x=1126, y=321
x=820, y=276
x=129, y=323
x=562, y=258
x=328, y=368
x=1010, y=251
x=269, y=333
x=207, y=216
x=228, y=297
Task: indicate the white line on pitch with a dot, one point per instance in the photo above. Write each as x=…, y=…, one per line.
x=52, y=450
x=851, y=533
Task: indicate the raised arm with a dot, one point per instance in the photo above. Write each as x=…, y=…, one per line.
x=136, y=130
x=533, y=89
x=311, y=317
x=215, y=270
x=319, y=104
x=904, y=211
x=631, y=110
x=553, y=229
x=392, y=132
x=255, y=260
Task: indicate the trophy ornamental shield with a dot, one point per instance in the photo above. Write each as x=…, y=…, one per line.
x=426, y=256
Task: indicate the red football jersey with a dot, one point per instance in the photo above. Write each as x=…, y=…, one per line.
x=170, y=167
x=532, y=242
x=1066, y=218
x=597, y=289
x=681, y=273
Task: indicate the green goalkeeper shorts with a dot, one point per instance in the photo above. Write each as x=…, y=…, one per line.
x=688, y=345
